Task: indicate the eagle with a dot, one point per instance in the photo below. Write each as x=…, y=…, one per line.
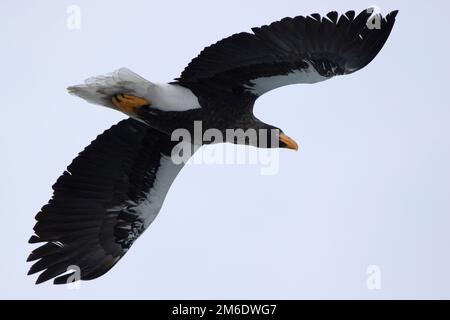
x=114, y=189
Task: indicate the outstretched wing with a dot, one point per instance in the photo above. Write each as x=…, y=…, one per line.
x=104, y=201
x=293, y=50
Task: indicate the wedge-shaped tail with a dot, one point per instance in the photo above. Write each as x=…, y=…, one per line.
x=100, y=89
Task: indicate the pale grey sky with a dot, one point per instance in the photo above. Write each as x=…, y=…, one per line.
x=369, y=186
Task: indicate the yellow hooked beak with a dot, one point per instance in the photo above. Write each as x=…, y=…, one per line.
x=288, y=142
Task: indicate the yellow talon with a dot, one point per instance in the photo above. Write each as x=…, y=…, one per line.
x=128, y=103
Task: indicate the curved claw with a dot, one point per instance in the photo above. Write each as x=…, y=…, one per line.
x=128, y=103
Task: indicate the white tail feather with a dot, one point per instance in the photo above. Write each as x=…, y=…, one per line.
x=167, y=97
x=99, y=90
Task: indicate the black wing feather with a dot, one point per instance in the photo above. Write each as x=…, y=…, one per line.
x=90, y=222
x=333, y=45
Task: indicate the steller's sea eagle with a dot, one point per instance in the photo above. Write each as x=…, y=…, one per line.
x=113, y=190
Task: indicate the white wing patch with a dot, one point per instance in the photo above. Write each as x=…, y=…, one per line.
x=149, y=208
x=165, y=97
x=260, y=86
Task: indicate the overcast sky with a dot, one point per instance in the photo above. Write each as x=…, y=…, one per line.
x=369, y=186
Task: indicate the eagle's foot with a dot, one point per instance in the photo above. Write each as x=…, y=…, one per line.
x=128, y=103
